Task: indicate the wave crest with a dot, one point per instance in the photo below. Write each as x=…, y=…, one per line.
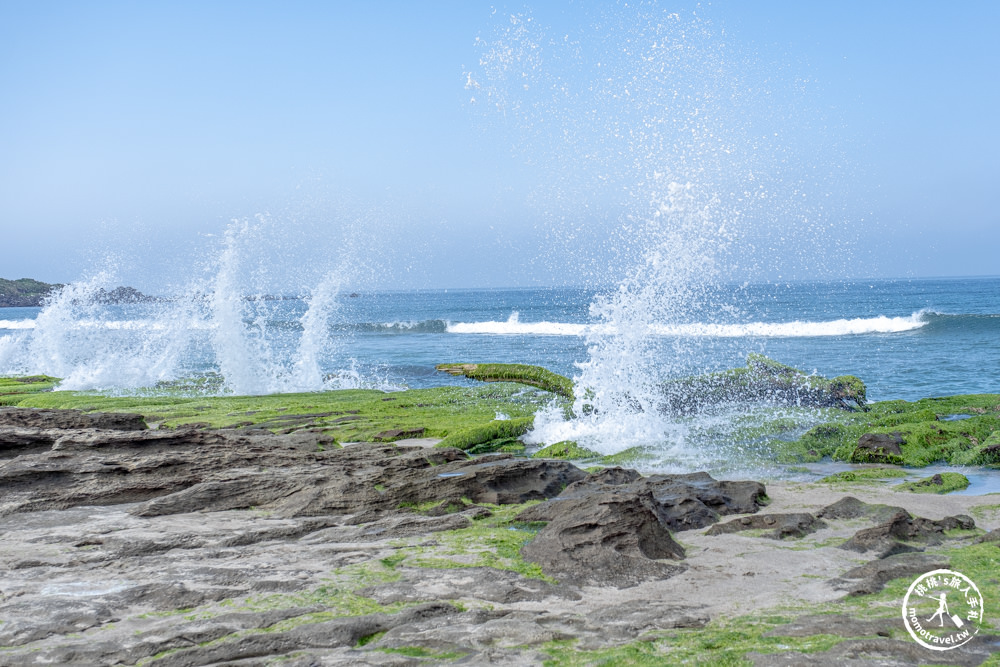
x=794, y=329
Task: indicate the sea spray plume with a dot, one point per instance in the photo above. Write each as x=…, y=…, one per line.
x=257, y=349
x=239, y=339
x=110, y=347
x=317, y=342
x=624, y=371
x=646, y=115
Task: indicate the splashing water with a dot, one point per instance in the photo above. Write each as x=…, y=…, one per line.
x=225, y=334
x=655, y=112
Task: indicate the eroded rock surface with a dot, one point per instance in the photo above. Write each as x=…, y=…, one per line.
x=121, y=544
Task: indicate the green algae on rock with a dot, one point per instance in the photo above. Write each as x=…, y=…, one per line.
x=349, y=415
x=945, y=482
x=957, y=430
x=865, y=475
x=566, y=449
x=488, y=437
x=13, y=387
x=535, y=376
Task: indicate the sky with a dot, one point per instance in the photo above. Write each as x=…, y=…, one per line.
x=467, y=144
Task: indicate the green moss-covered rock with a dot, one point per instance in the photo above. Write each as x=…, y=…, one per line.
x=567, y=449
x=864, y=475
x=946, y=482
x=535, y=376
x=958, y=430
x=630, y=456
x=764, y=380
x=495, y=434
x=351, y=415
x=12, y=388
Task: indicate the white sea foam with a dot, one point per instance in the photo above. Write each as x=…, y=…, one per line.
x=793, y=329
x=514, y=326
x=17, y=324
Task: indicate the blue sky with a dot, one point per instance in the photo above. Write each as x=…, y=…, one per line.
x=133, y=133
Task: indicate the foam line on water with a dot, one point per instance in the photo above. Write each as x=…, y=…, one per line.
x=17, y=324
x=793, y=329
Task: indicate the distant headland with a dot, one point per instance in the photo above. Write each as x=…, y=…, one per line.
x=29, y=293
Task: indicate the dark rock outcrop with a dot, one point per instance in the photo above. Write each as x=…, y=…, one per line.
x=902, y=533
x=765, y=381
x=121, y=295
x=614, y=528
x=605, y=537
x=879, y=448
x=187, y=470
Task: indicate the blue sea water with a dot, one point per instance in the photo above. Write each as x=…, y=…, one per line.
x=907, y=339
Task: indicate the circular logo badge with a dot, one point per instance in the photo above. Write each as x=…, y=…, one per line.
x=943, y=610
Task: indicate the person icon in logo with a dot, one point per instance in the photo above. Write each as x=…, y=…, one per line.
x=941, y=610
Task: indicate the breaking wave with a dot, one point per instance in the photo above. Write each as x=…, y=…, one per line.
x=794, y=329
x=513, y=326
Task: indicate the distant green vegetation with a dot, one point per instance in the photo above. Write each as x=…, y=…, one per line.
x=23, y=293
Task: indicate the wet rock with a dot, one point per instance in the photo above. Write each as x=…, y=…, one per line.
x=765, y=381
x=614, y=475
x=850, y=507
x=186, y=470
x=779, y=526
x=879, y=448
x=614, y=528
x=992, y=536
x=398, y=434
x=684, y=502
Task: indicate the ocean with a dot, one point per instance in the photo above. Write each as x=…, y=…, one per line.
x=907, y=339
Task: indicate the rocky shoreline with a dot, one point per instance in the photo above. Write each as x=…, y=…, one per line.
x=29, y=293
x=126, y=545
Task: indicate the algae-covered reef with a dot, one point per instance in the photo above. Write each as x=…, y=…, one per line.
x=535, y=376
x=344, y=416
x=814, y=417
x=958, y=430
